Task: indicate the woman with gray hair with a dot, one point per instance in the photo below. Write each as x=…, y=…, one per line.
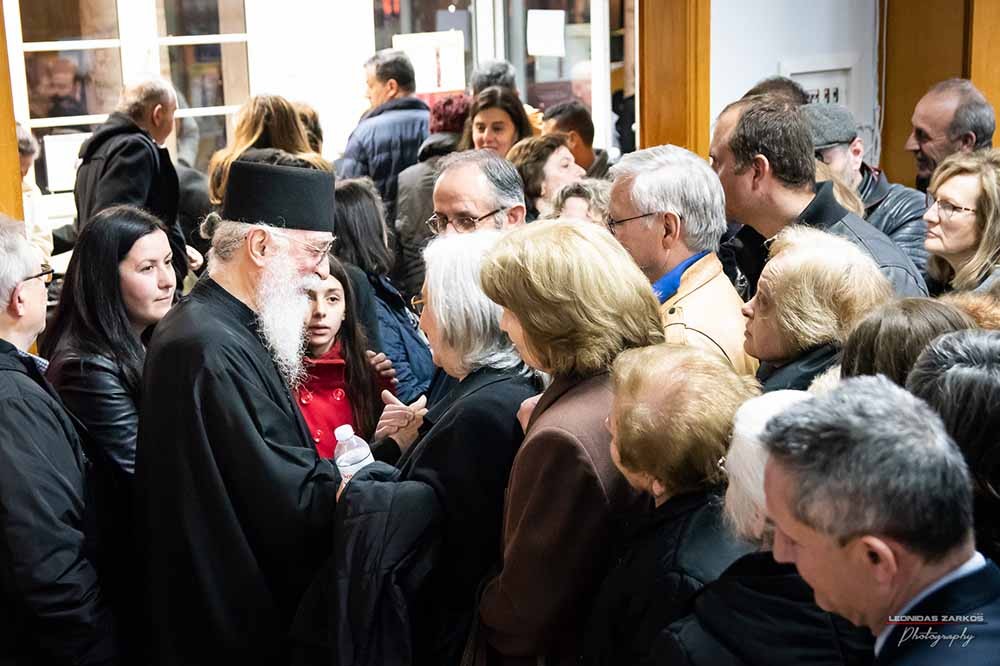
x=464, y=446
x=758, y=611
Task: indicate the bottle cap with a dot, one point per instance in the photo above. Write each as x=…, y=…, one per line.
x=343, y=432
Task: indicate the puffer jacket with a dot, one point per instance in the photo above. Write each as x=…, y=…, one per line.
x=385, y=142
x=402, y=341
x=897, y=211
x=414, y=205
x=673, y=552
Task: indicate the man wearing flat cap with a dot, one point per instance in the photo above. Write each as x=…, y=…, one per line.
x=235, y=509
x=894, y=209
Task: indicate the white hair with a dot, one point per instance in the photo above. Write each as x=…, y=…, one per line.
x=138, y=97
x=670, y=179
x=745, y=462
x=16, y=259
x=469, y=321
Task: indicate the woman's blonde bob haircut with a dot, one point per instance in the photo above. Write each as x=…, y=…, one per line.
x=673, y=413
x=265, y=121
x=986, y=165
x=821, y=286
x=578, y=295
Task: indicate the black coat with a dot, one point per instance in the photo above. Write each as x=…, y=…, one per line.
x=414, y=205
x=464, y=452
x=799, y=373
x=977, y=593
x=51, y=605
x=384, y=143
x=122, y=164
x=234, y=507
x=760, y=613
x=897, y=211
x=672, y=553
x=825, y=214
x=359, y=610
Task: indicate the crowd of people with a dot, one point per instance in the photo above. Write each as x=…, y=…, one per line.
x=646, y=410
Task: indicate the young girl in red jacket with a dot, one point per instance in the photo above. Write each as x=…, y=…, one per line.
x=341, y=386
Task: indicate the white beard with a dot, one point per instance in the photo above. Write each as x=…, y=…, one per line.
x=282, y=306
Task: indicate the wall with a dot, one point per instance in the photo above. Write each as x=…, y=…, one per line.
x=750, y=38
x=313, y=52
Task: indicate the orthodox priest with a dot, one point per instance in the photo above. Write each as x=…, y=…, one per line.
x=235, y=508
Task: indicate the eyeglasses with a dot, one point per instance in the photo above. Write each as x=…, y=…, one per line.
x=418, y=304
x=317, y=252
x=945, y=209
x=612, y=223
x=46, y=275
x=437, y=223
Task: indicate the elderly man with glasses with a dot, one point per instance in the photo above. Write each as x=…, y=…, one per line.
x=476, y=189
x=667, y=209
x=50, y=592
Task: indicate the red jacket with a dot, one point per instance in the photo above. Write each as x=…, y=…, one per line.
x=324, y=401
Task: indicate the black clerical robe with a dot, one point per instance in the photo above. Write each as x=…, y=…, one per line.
x=235, y=508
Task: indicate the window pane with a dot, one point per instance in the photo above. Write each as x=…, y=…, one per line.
x=200, y=17
x=544, y=78
x=73, y=83
x=198, y=138
x=404, y=17
x=59, y=20
x=208, y=74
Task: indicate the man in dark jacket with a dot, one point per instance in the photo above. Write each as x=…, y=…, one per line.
x=124, y=162
x=387, y=139
x=50, y=596
x=871, y=500
x=895, y=210
x=763, y=154
x=573, y=119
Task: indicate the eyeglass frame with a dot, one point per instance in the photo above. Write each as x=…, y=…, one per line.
x=417, y=303
x=47, y=275
x=309, y=246
x=948, y=209
x=461, y=229
x=611, y=222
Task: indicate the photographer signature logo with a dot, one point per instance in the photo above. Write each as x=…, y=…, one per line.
x=922, y=628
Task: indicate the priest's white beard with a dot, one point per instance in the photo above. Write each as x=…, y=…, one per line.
x=282, y=306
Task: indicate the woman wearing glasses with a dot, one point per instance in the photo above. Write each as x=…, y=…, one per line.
x=963, y=222
x=119, y=283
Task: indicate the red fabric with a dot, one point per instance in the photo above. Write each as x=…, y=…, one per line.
x=323, y=399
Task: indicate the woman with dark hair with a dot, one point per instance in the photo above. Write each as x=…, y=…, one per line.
x=120, y=282
x=341, y=387
x=545, y=165
x=889, y=339
x=496, y=122
x=362, y=240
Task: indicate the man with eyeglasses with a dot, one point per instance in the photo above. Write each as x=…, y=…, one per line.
x=235, y=508
x=476, y=189
x=50, y=594
x=668, y=210
x=894, y=209
x=762, y=152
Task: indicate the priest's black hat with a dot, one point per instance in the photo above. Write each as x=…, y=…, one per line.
x=279, y=196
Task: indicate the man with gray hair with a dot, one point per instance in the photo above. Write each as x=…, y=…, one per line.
x=953, y=116
x=388, y=137
x=894, y=209
x=234, y=506
x=125, y=162
x=872, y=501
x=668, y=210
x=50, y=596
x=476, y=189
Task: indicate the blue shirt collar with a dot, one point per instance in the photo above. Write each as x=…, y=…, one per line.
x=668, y=285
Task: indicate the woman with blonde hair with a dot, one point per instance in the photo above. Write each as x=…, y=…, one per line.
x=268, y=129
x=572, y=300
x=814, y=288
x=963, y=222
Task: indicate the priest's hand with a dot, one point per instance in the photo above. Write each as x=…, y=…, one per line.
x=382, y=365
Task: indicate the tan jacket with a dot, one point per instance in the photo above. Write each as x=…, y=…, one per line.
x=706, y=313
x=564, y=498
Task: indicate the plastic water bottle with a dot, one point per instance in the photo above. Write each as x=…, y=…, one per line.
x=352, y=452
